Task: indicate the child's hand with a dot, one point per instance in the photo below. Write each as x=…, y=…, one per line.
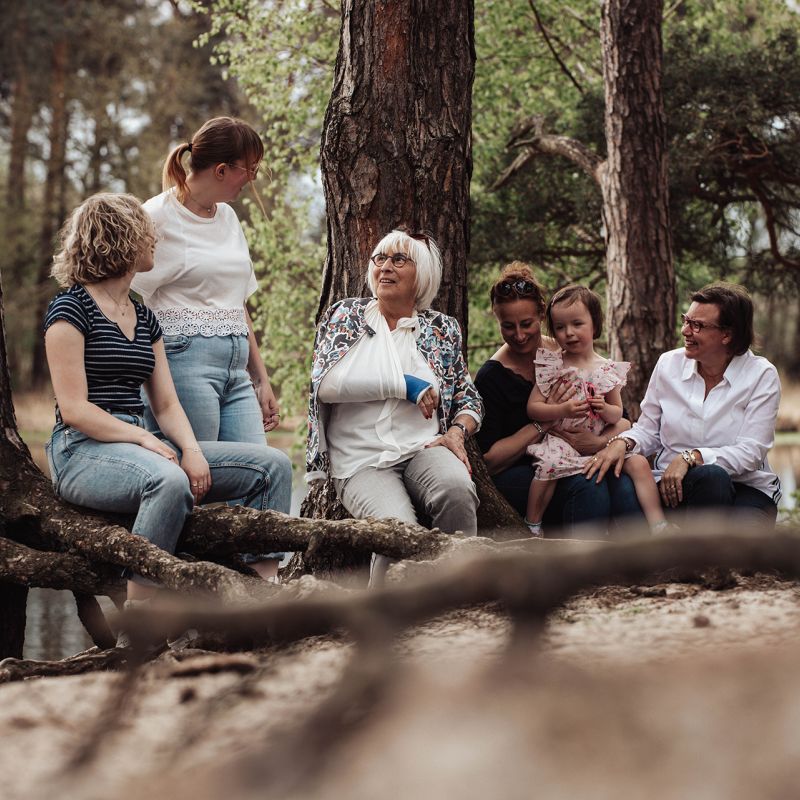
x=574, y=409
x=598, y=404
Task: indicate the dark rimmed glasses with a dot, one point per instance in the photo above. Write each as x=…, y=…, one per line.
x=696, y=325
x=252, y=171
x=399, y=260
x=521, y=288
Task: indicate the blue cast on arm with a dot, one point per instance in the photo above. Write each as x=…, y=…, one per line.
x=415, y=387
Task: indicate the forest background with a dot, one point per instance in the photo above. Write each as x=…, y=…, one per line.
x=94, y=94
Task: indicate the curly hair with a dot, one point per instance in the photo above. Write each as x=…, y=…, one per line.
x=102, y=238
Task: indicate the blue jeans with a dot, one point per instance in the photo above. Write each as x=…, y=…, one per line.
x=576, y=500
x=126, y=478
x=213, y=385
x=709, y=486
x=215, y=391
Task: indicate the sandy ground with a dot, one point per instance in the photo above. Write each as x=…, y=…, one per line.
x=677, y=692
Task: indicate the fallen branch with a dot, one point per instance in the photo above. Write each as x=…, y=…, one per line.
x=28, y=567
x=530, y=586
x=17, y=669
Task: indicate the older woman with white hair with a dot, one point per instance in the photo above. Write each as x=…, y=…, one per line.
x=392, y=402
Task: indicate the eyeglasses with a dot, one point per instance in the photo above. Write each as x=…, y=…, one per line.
x=252, y=171
x=520, y=287
x=698, y=326
x=398, y=260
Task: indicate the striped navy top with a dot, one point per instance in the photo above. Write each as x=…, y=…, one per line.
x=116, y=367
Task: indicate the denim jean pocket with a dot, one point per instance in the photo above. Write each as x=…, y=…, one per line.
x=176, y=343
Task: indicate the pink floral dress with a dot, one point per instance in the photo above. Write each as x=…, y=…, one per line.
x=557, y=459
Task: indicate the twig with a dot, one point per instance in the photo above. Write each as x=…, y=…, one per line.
x=551, y=47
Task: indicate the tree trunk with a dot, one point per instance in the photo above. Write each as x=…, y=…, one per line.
x=53, y=201
x=13, y=599
x=396, y=144
x=21, y=117
x=397, y=149
x=641, y=279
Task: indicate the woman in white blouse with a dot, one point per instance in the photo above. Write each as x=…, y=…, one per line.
x=391, y=398
x=709, y=413
x=199, y=287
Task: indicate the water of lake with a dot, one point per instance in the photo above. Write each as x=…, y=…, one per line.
x=54, y=631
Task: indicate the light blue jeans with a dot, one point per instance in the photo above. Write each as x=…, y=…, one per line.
x=213, y=385
x=126, y=478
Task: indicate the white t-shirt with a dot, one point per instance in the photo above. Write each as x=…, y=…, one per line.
x=203, y=273
x=733, y=427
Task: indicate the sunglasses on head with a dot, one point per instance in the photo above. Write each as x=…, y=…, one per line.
x=418, y=236
x=519, y=287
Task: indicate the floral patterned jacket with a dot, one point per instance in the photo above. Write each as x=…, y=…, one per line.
x=439, y=342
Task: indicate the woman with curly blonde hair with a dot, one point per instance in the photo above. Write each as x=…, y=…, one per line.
x=102, y=348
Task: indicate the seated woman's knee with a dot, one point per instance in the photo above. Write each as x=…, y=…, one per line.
x=708, y=485
x=171, y=480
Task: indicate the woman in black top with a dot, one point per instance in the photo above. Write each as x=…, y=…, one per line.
x=102, y=347
x=505, y=382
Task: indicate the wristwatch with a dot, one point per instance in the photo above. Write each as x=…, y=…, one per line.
x=462, y=427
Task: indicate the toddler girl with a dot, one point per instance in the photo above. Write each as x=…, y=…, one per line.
x=575, y=319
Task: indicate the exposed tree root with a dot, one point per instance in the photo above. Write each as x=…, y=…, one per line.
x=529, y=586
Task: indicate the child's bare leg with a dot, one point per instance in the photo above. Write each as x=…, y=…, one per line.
x=539, y=496
x=637, y=468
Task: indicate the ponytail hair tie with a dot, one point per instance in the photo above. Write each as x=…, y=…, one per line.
x=189, y=147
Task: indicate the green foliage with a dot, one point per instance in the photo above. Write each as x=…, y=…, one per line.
x=282, y=55
x=134, y=83
x=732, y=102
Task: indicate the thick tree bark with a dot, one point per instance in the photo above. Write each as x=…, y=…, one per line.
x=21, y=117
x=13, y=598
x=53, y=201
x=641, y=278
x=396, y=146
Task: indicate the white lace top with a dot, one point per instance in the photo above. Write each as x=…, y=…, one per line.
x=203, y=273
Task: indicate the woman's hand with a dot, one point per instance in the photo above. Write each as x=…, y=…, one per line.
x=428, y=403
x=670, y=487
x=611, y=457
x=453, y=440
x=194, y=464
x=561, y=394
x=156, y=445
x=270, y=410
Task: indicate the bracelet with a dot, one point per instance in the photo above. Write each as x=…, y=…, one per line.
x=689, y=457
x=629, y=443
x=193, y=449
x=538, y=428
x=461, y=427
